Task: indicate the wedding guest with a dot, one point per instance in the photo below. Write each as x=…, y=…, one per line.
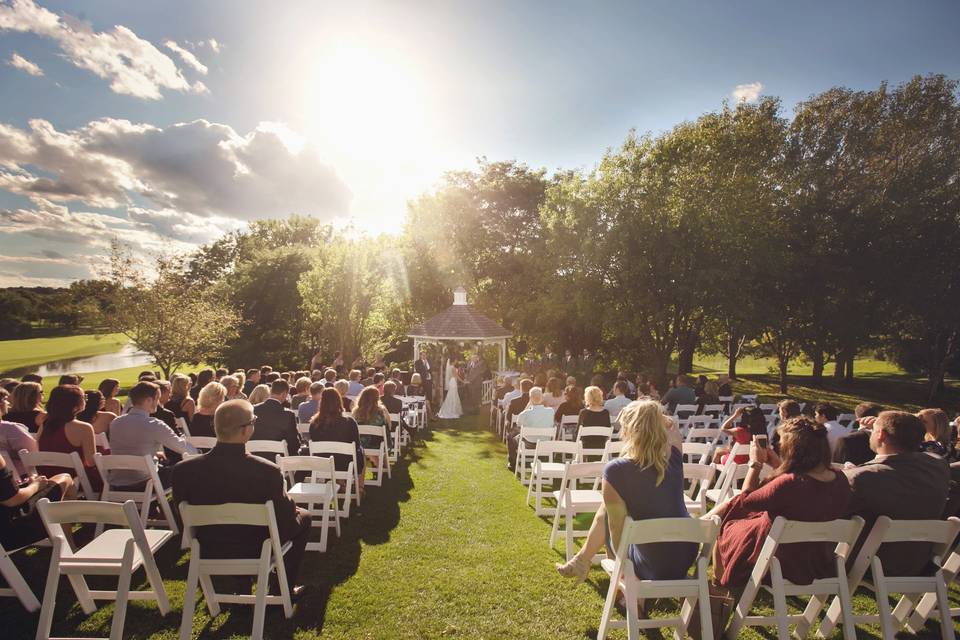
x=14, y=436
x=329, y=377
x=619, y=400
x=593, y=414
x=415, y=388
x=804, y=487
x=329, y=424
x=25, y=405
x=205, y=377
x=95, y=413
x=308, y=409
x=724, y=390
x=232, y=384
x=826, y=414
x=938, y=434
x=553, y=398
x=708, y=396
x=683, y=393
x=355, y=387
x=378, y=380
x=253, y=379
x=572, y=403
x=63, y=433
x=19, y=531
x=275, y=421
x=181, y=404
x=260, y=393
x=645, y=482
x=378, y=363
x=370, y=411
x=301, y=392
x=342, y=386
x=209, y=398
x=110, y=387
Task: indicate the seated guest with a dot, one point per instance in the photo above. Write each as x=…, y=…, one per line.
x=260, y=393
x=209, y=398
x=593, y=414
x=724, y=390
x=520, y=402
x=61, y=432
x=826, y=414
x=368, y=380
x=25, y=405
x=205, y=377
x=17, y=530
x=645, y=482
x=13, y=435
x=162, y=413
x=329, y=377
x=95, y=414
x=32, y=377
x=786, y=409
x=415, y=388
x=804, y=487
x=137, y=434
x=855, y=447
x=597, y=381
x=378, y=380
x=232, y=384
x=342, y=386
x=253, y=379
x=683, y=393
x=516, y=392
x=181, y=404
x=709, y=395
x=70, y=379
x=368, y=410
x=397, y=378
x=901, y=483
x=308, y=409
x=534, y=415
x=222, y=371
x=553, y=397
x=274, y=421
x=938, y=436
x=393, y=404
x=302, y=392
x=355, y=386
x=8, y=384
x=228, y=474
x=110, y=387
x=742, y=425
x=329, y=424
x=571, y=406
x=619, y=400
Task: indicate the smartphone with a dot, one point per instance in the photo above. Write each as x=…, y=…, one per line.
x=761, y=441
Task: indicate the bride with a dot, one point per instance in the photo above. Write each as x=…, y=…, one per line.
x=451, y=408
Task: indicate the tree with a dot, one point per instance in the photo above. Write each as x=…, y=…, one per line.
x=164, y=316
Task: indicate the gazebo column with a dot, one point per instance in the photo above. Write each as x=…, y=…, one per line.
x=416, y=349
x=503, y=355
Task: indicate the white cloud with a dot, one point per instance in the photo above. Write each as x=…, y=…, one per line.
x=188, y=58
x=19, y=62
x=202, y=168
x=132, y=65
x=749, y=92
x=214, y=45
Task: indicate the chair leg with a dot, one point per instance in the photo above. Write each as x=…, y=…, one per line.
x=569, y=534
x=50, y=594
x=156, y=584
x=883, y=601
x=633, y=615
x=608, y=605
x=779, y=601
x=209, y=594
x=123, y=595
x=167, y=511
x=190, y=597
x=15, y=579
x=263, y=586
x=556, y=524
x=943, y=603
x=324, y=526
x=82, y=592
x=846, y=610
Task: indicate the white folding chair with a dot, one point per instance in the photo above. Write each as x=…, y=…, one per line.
x=593, y=432
x=682, y=413
x=526, y=447
x=378, y=453
x=699, y=452
x=118, y=552
x=768, y=408
x=571, y=500
x=714, y=411
x=274, y=449
x=303, y=428
x=749, y=399
x=921, y=594
x=693, y=591
x=568, y=427
x=201, y=569
x=152, y=490
x=846, y=419
x=729, y=474
x=699, y=477
x=349, y=490
x=398, y=441
x=612, y=450
x=202, y=443
x=842, y=534
x=710, y=435
x=184, y=427
x=545, y=468
x=18, y=587
x=320, y=488
x=69, y=462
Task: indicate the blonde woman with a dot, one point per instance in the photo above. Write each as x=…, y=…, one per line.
x=180, y=402
x=260, y=393
x=939, y=438
x=645, y=482
x=210, y=397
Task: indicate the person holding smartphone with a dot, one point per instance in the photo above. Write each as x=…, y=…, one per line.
x=743, y=425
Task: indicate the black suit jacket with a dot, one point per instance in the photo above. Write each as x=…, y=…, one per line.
x=228, y=474
x=274, y=422
x=517, y=405
x=854, y=448
x=420, y=368
x=393, y=405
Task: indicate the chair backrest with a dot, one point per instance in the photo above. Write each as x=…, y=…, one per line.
x=767, y=409
x=699, y=531
x=333, y=447
x=749, y=399
x=115, y=462
x=184, y=427
x=55, y=514
x=569, y=420
x=594, y=432
x=740, y=405
x=698, y=451
x=846, y=419
x=941, y=534
x=699, y=476
x=842, y=533
x=725, y=399
x=582, y=470
x=713, y=410
x=303, y=428
x=278, y=447
x=34, y=459
x=394, y=418
x=233, y=513
x=710, y=435
x=321, y=469
x=550, y=448
x=702, y=422
x=537, y=433
x=346, y=414
x=202, y=443
x=102, y=441
x=373, y=430
x=685, y=410
x=612, y=449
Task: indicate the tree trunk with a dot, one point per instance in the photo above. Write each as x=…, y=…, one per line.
x=784, y=363
x=850, y=355
x=685, y=361
x=733, y=351
x=944, y=346
x=817, y=358
x=839, y=368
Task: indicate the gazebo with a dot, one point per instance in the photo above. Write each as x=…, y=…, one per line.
x=460, y=323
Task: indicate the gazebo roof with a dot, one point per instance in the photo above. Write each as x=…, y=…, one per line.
x=459, y=322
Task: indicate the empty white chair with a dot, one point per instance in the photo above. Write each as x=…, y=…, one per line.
x=729, y=474
x=612, y=450
x=378, y=454
x=842, y=534
x=768, y=408
x=201, y=569
x=348, y=480
x=699, y=452
x=693, y=591
x=202, y=443
x=273, y=448
x=710, y=435
x=69, y=462
x=572, y=500
x=152, y=490
x=922, y=594
x=683, y=412
x=318, y=492
x=526, y=446
x=118, y=552
x=398, y=441
x=715, y=411
x=18, y=587
x=594, y=452
x=699, y=477
x=546, y=468
x=702, y=422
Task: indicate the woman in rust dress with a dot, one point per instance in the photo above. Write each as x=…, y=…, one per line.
x=805, y=487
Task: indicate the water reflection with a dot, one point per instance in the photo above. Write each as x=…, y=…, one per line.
x=128, y=356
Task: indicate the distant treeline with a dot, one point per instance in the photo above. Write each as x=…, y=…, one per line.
x=34, y=312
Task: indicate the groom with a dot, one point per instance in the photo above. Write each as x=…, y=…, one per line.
x=422, y=366
x=476, y=372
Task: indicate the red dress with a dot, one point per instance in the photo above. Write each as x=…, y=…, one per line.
x=57, y=441
x=750, y=516
x=741, y=435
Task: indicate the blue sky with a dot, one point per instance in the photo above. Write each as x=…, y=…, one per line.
x=347, y=110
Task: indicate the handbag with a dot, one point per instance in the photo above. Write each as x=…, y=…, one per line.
x=29, y=508
x=721, y=608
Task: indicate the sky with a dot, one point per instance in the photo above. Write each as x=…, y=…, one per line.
x=168, y=124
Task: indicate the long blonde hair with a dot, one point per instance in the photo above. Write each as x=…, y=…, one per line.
x=644, y=433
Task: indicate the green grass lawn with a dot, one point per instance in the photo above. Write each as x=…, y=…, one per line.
x=447, y=548
x=16, y=354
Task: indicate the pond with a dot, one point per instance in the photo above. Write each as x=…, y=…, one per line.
x=128, y=356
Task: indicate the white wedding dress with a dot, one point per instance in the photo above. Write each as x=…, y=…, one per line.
x=451, y=408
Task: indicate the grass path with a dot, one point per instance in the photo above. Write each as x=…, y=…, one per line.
x=447, y=549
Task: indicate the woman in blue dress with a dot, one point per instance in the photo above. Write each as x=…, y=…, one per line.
x=645, y=482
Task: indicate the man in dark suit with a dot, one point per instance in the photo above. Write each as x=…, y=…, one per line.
x=395, y=405
x=550, y=360
x=570, y=363
x=855, y=448
x=422, y=366
x=517, y=405
x=587, y=363
x=228, y=474
x=274, y=422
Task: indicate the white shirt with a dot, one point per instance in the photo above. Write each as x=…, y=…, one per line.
x=536, y=416
x=137, y=434
x=835, y=431
x=510, y=397
x=616, y=404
